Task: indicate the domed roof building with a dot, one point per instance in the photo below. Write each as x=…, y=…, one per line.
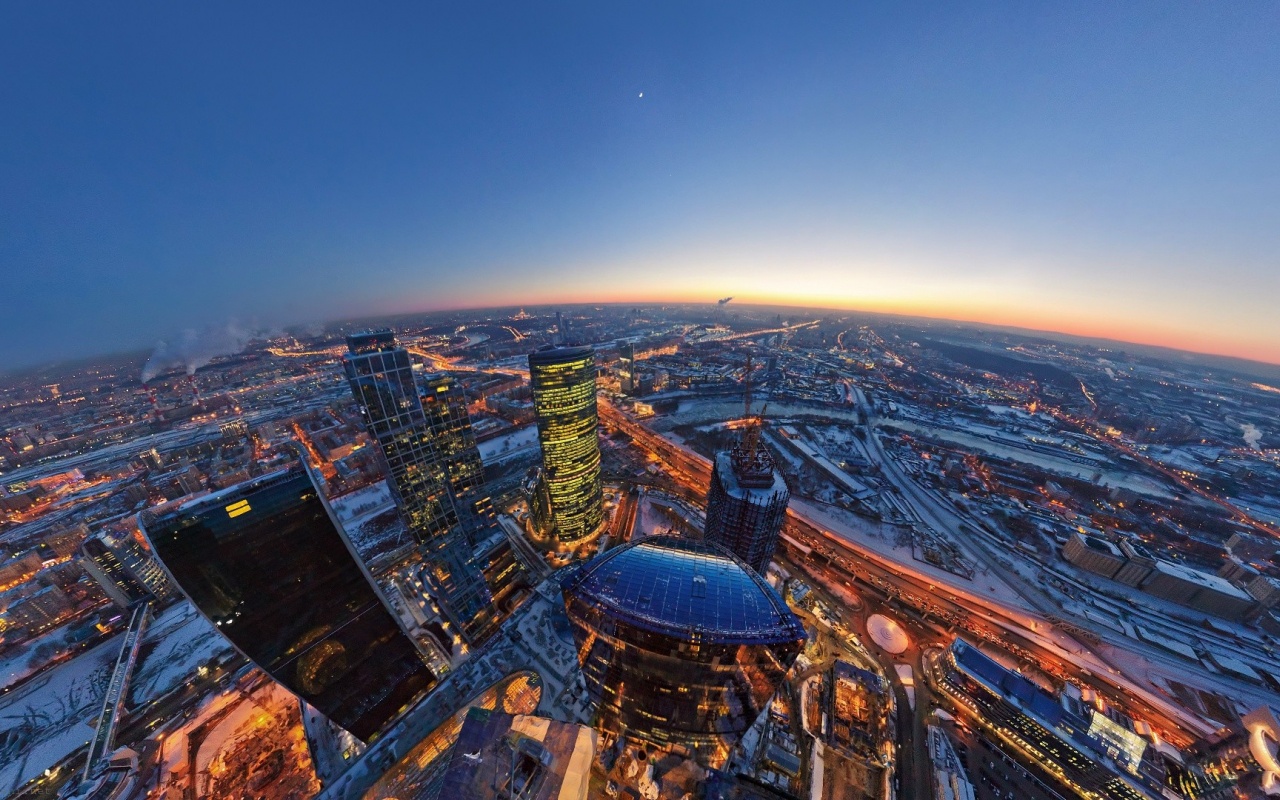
x=680, y=641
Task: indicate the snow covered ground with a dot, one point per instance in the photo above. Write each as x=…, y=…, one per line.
x=53, y=715
x=1062, y=466
x=355, y=506
x=881, y=539
x=19, y=662
x=176, y=644
x=509, y=445
x=696, y=410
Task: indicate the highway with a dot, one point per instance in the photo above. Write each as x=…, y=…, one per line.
x=944, y=600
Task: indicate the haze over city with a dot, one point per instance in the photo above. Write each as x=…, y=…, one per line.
x=1087, y=168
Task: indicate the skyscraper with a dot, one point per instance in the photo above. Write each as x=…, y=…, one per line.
x=126, y=571
x=415, y=456
x=445, y=405
x=265, y=563
x=539, y=500
x=747, y=498
x=564, y=398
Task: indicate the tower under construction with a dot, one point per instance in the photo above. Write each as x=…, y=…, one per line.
x=747, y=499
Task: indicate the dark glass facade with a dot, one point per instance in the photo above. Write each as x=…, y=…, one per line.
x=264, y=562
x=445, y=406
x=679, y=641
x=415, y=453
x=564, y=398
x=746, y=508
x=126, y=571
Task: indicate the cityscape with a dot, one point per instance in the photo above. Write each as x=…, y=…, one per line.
x=625, y=401
x=643, y=551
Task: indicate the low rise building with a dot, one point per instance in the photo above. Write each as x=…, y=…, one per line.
x=1138, y=566
x=1093, y=554
x=1198, y=590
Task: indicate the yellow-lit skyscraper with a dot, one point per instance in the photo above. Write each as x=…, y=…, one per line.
x=564, y=397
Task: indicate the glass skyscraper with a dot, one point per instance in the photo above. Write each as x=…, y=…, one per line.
x=445, y=406
x=424, y=455
x=679, y=641
x=564, y=398
x=265, y=563
x=126, y=571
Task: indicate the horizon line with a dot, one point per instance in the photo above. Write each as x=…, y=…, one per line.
x=747, y=303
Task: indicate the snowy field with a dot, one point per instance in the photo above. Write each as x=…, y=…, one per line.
x=53, y=715
x=508, y=445
x=1062, y=466
x=716, y=410
x=183, y=640
x=355, y=506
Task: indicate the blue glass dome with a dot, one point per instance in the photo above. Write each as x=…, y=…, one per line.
x=682, y=586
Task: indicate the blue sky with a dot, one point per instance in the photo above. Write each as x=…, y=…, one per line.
x=1107, y=169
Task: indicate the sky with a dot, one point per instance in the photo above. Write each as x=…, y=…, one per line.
x=1105, y=169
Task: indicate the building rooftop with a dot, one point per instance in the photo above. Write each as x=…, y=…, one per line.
x=369, y=341
x=674, y=585
x=1101, y=545
x=1204, y=579
x=502, y=755
x=554, y=355
x=728, y=470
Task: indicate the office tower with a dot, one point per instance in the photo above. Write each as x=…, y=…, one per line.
x=747, y=499
x=265, y=562
x=126, y=571
x=627, y=367
x=680, y=642
x=382, y=380
x=445, y=405
x=538, y=496
x=564, y=399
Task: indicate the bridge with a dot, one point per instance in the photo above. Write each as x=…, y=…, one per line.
x=113, y=703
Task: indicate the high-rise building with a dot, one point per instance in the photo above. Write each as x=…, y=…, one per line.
x=538, y=497
x=126, y=571
x=564, y=398
x=265, y=562
x=627, y=367
x=445, y=405
x=747, y=499
x=414, y=455
x=679, y=641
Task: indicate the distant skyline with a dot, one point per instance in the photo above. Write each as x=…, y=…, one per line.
x=1092, y=169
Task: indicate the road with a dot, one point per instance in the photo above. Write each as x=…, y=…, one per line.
x=1014, y=628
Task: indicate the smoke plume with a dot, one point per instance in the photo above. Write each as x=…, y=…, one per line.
x=192, y=349
x=1252, y=436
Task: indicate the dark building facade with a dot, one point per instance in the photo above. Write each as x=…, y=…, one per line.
x=538, y=496
x=746, y=502
x=564, y=398
x=127, y=572
x=266, y=564
x=415, y=449
x=445, y=405
x=679, y=641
